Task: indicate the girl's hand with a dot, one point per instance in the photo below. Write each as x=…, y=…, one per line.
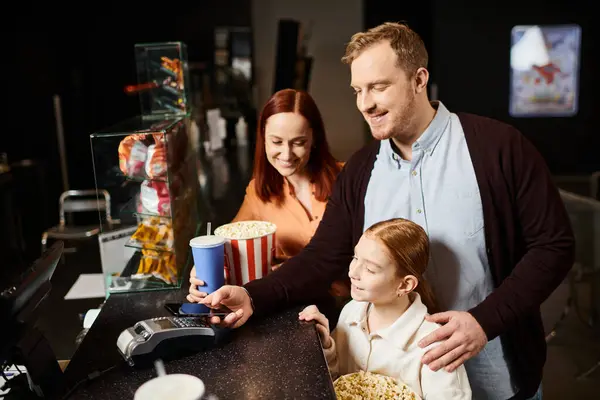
x=311, y=313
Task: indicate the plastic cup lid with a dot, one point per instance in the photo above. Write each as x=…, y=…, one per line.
x=174, y=386
x=206, y=241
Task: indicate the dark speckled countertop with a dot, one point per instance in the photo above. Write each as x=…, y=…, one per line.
x=275, y=357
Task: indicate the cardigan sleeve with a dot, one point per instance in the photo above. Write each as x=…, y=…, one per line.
x=543, y=235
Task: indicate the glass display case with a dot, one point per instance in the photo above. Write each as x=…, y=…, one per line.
x=163, y=78
x=149, y=168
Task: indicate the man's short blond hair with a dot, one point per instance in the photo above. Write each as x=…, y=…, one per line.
x=406, y=43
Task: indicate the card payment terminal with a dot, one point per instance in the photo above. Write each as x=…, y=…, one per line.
x=166, y=337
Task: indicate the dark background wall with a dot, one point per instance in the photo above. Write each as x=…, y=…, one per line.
x=417, y=14
x=472, y=56
x=87, y=57
x=469, y=48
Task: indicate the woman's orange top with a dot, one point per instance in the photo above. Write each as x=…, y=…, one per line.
x=295, y=226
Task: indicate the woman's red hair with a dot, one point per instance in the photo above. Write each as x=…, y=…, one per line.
x=322, y=168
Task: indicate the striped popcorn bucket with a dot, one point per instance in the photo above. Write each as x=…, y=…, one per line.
x=249, y=250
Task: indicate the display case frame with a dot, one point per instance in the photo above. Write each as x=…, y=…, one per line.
x=163, y=78
x=149, y=167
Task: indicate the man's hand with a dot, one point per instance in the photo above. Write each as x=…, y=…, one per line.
x=238, y=301
x=462, y=338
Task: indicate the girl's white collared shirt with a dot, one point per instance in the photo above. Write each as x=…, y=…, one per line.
x=393, y=351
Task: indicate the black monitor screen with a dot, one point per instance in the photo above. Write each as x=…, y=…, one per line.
x=34, y=285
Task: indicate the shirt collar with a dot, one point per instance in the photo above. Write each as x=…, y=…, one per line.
x=361, y=315
x=427, y=141
x=403, y=329
x=391, y=158
x=432, y=134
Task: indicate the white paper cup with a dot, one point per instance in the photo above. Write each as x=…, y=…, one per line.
x=171, y=387
x=249, y=250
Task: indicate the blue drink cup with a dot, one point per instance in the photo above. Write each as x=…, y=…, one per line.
x=208, y=252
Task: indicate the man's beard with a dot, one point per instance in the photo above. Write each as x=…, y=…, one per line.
x=402, y=123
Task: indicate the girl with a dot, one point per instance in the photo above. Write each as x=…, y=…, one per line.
x=378, y=330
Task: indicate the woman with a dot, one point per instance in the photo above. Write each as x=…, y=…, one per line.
x=293, y=176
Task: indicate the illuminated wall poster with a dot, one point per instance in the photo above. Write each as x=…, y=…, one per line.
x=544, y=64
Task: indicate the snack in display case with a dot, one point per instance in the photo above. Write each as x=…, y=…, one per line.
x=163, y=78
x=153, y=233
x=132, y=155
x=149, y=167
x=154, y=198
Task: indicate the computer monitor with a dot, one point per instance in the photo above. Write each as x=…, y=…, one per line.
x=20, y=301
x=20, y=342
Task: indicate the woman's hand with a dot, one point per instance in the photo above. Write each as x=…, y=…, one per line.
x=312, y=313
x=340, y=289
x=276, y=266
x=278, y=262
x=195, y=295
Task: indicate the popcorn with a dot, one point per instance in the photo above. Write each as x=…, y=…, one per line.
x=370, y=386
x=245, y=230
x=249, y=250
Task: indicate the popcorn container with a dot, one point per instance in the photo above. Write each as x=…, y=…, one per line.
x=249, y=250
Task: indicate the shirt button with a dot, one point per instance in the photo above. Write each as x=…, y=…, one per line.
x=414, y=173
x=419, y=211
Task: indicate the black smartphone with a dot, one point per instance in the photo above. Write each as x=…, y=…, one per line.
x=204, y=310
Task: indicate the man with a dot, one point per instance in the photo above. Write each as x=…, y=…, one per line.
x=501, y=241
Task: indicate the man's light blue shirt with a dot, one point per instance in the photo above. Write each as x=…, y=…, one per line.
x=438, y=190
